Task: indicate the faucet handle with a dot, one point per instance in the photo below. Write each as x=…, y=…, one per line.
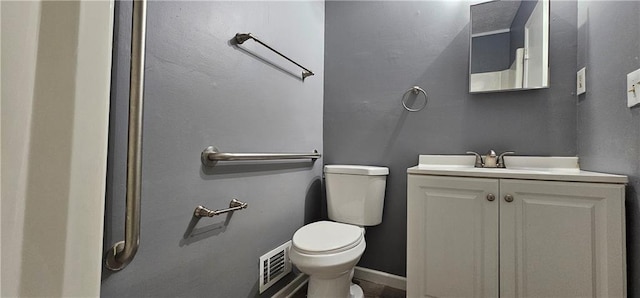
x=501, y=163
x=478, y=163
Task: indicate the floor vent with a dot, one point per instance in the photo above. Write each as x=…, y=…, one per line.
x=274, y=265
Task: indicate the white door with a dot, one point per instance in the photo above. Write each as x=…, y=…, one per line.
x=561, y=239
x=452, y=237
x=536, y=44
x=56, y=70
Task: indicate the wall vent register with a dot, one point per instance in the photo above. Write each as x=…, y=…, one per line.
x=274, y=265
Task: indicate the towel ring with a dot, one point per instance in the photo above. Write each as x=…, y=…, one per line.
x=415, y=90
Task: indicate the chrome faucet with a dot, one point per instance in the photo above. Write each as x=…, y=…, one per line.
x=491, y=160
x=479, y=163
x=501, y=163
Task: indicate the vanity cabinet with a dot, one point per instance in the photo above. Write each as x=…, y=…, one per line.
x=494, y=237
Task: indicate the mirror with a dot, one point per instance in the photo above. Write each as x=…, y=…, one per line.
x=509, y=46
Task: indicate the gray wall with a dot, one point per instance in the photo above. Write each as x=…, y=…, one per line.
x=608, y=131
x=202, y=91
x=517, y=26
x=375, y=51
x=490, y=52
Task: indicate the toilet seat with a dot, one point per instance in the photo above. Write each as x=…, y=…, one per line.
x=327, y=237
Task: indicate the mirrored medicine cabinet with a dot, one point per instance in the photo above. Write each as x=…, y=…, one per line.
x=509, y=46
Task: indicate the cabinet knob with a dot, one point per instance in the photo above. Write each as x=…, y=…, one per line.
x=508, y=198
x=491, y=197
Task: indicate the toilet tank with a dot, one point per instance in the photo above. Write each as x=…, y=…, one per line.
x=355, y=194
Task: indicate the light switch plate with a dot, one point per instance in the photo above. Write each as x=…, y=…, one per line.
x=633, y=88
x=581, y=86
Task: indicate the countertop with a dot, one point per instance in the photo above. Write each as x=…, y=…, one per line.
x=551, y=168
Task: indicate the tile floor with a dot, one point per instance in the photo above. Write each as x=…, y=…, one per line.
x=371, y=290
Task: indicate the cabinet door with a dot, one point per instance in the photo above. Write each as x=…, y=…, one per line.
x=561, y=239
x=452, y=237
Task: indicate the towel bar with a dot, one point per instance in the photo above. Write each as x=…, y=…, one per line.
x=234, y=205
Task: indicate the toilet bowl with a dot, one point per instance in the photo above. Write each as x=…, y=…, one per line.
x=329, y=250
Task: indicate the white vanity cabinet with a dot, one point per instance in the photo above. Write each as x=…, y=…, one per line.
x=475, y=236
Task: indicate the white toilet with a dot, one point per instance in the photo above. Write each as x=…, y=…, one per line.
x=328, y=251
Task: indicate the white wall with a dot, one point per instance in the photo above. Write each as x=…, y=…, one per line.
x=20, y=22
x=56, y=60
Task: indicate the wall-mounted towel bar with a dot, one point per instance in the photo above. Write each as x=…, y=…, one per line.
x=210, y=156
x=121, y=253
x=242, y=37
x=234, y=205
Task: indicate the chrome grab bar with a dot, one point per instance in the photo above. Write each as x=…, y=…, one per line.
x=234, y=205
x=242, y=37
x=121, y=253
x=210, y=156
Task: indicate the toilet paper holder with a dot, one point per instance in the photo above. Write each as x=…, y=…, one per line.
x=234, y=205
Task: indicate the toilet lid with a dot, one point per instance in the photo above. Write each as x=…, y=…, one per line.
x=357, y=170
x=327, y=237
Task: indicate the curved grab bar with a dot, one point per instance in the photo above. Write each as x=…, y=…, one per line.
x=121, y=253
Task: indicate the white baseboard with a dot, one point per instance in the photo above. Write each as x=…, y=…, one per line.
x=375, y=276
x=293, y=287
x=379, y=277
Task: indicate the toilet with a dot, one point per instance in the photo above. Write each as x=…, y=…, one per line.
x=329, y=250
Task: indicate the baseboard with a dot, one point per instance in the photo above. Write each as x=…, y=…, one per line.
x=293, y=287
x=375, y=276
x=379, y=277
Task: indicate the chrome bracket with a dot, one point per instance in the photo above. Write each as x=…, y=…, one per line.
x=204, y=156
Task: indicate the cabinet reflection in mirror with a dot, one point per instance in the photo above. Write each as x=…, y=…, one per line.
x=509, y=46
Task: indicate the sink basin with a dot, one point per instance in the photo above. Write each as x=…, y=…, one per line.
x=555, y=168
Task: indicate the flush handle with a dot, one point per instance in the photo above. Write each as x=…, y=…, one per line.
x=508, y=198
x=491, y=197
